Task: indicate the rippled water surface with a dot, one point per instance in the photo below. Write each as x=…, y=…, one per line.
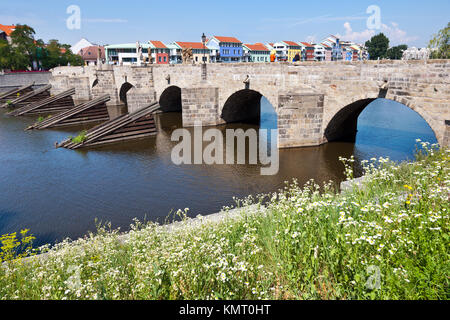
x=58, y=193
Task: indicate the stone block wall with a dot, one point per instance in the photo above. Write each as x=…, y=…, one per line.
x=200, y=105
x=300, y=120
x=106, y=85
x=139, y=98
x=12, y=80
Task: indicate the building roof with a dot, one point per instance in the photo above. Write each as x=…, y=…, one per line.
x=83, y=43
x=91, y=53
x=193, y=45
x=158, y=44
x=227, y=39
x=127, y=46
x=291, y=43
x=7, y=29
x=257, y=47
x=306, y=44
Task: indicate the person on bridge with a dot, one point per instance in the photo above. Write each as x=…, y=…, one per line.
x=273, y=56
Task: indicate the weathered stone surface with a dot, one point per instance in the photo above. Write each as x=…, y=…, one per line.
x=334, y=93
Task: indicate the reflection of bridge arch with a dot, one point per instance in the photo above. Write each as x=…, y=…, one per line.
x=243, y=106
x=170, y=99
x=343, y=125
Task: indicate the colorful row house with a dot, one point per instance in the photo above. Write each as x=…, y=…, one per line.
x=308, y=51
x=225, y=49
x=159, y=52
x=200, y=52
x=256, y=53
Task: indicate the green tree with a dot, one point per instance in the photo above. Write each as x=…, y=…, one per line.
x=396, y=53
x=5, y=55
x=24, y=47
x=378, y=46
x=440, y=44
x=60, y=55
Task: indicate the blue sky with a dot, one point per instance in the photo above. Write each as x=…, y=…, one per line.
x=107, y=22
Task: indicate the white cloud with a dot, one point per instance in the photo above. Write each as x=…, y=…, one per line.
x=393, y=32
x=351, y=35
x=396, y=35
x=311, y=39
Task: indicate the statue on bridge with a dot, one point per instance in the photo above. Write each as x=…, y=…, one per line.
x=187, y=55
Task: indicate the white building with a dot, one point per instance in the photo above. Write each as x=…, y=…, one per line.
x=319, y=52
x=83, y=43
x=416, y=54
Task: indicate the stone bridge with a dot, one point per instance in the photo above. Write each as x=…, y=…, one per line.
x=316, y=102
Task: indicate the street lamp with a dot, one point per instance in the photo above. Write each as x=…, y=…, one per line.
x=203, y=41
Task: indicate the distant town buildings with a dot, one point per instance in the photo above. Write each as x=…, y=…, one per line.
x=93, y=55
x=160, y=53
x=221, y=49
x=5, y=32
x=227, y=49
x=83, y=43
x=256, y=53
x=200, y=52
x=416, y=54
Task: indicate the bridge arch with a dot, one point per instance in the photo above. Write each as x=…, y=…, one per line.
x=124, y=88
x=170, y=99
x=243, y=106
x=343, y=125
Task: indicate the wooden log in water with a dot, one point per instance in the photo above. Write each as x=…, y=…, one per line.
x=61, y=101
x=129, y=126
x=12, y=94
x=30, y=97
x=76, y=113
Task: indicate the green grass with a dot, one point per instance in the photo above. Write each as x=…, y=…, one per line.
x=80, y=138
x=386, y=240
x=41, y=118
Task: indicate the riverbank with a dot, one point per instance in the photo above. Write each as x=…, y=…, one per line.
x=387, y=240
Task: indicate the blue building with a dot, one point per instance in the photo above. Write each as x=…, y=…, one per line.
x=225, y=49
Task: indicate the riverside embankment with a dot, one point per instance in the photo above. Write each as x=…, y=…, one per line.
x=309, y=243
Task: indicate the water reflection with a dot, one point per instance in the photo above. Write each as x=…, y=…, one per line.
x=59, y=193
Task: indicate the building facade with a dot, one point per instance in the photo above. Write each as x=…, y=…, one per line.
x=281, y=51
x=200, y=52
x=308, y=51
x=293, y=48
x=159, y=52
x=175, y=56
x=125, y=54
x=91, y=55
x=319, y=52
x=256, y=53
x=228, y=49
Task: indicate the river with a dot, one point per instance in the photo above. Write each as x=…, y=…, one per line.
x=58, y=193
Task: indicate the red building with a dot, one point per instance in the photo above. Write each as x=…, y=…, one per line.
x=160, y=53
x=310, y=56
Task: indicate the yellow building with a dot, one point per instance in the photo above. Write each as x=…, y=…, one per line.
x=292, y=49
